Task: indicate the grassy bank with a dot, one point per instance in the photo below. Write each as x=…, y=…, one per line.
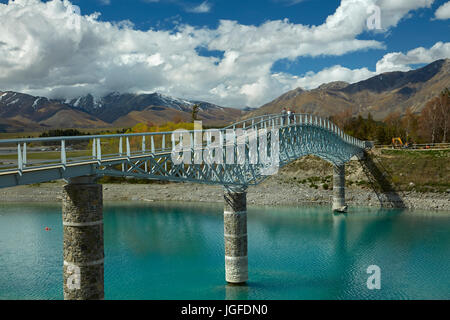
x=421, y=170
x=404, y=170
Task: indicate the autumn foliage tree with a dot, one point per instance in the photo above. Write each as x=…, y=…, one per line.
x=431, y=125
x=435, y=118
x=444, y=111
x=410, y=123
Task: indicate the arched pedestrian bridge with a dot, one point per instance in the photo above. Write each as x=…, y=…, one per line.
x=149, y=155
x=236, y=157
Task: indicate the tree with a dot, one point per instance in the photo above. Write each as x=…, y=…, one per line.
x=195, y=110
x=381, y=135
x=342, y=118
x=371, y=124
x=393, y=123
x=444, y=112
x=429, y=119
x=410, y=124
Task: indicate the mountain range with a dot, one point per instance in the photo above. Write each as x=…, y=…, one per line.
x=379, y=96
x=23, y=112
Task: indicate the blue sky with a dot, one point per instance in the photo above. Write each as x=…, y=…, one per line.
x=418, y=30
x=233, y=53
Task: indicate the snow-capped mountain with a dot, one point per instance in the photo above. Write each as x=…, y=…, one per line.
x=23, y=112
x=115, y=105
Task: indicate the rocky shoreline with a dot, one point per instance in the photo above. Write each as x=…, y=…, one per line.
x=272, y=192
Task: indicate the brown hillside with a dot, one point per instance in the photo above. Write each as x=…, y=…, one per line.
x=380, y=95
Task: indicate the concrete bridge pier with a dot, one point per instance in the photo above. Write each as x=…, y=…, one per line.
x=83, y=252
x=235, y=231
x=339, y=188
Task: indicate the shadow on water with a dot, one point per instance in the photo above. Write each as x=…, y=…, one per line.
x=381, y=182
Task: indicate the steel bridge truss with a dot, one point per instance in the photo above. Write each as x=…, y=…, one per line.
x=269, y=143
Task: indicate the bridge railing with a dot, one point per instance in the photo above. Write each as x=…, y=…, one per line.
x=36, y=153
x=44, y=152
x=280, y=120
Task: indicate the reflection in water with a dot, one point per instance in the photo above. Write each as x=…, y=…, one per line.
x=341, y=260
x=176, y=251
x=236, y=292
x=339, y=232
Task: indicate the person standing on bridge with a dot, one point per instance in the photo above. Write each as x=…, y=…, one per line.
x=289, y=114
x=283, y=115
x=292, y=117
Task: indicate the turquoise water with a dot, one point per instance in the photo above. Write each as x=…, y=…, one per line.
x=175, y=251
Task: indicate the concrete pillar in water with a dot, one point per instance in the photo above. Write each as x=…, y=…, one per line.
x=339, y=188
x=235, y=228
x=83, y=251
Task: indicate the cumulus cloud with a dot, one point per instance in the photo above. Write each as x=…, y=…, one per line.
x=393, y=11
x=398, y=61
x=443, y=12
x=49, y=49
x=336, y=73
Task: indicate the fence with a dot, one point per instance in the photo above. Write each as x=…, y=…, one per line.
x=426, y=146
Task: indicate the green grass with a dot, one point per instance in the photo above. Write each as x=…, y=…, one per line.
x=53, y=155
x=416, y=153
x=406, y=170
x=418, y=170
x=18, y=135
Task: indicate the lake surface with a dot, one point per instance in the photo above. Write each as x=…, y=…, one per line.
x=176, y=251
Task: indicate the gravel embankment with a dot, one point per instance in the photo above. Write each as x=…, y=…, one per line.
x=273, y=192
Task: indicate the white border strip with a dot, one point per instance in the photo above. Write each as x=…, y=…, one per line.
x=235, y=236
x=235, y=258
x=232, y=212
x=82, y=224
x=87, y=264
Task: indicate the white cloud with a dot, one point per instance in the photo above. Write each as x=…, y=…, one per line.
x=44, y=54
x=443, y=12
x=288, y=2
x=336, y=73
x=398, y=61
x=203, y=7
x=393, y=11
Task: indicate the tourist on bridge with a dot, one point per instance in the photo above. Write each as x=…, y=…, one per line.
x=284, y=115
x=292, y=117
x=289, y=114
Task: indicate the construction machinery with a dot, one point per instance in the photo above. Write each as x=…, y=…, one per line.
x=397, y=143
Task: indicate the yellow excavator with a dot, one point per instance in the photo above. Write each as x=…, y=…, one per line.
x=397, y=143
